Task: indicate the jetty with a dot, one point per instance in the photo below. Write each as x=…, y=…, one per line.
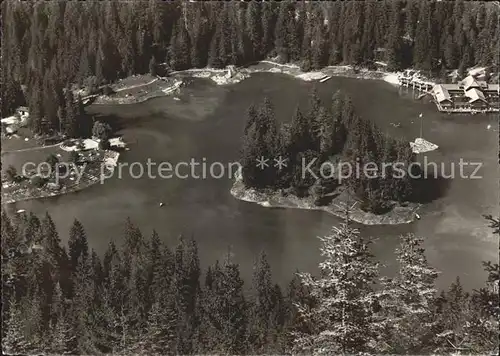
x=468, y=96
x=412, y=79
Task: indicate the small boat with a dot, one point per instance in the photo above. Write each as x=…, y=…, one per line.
x=488, y=127
x=322, y=80
x=417, y=216
x=177, y=99
x=161, y=204
x=20, y=211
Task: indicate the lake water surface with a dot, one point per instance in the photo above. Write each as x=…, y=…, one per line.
x=207, y=122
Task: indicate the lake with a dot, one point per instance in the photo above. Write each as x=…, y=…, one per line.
x=207, y=122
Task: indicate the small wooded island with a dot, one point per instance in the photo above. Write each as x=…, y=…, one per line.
x=331, y=159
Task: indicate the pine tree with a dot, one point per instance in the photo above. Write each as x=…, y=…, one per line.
x=225, y=310
x=63, y=336
x=300, y=136
x=84, y=292
x=286, y=37
x=77, y=244
x=324, y=132
x=70, y=121
x=262, y=305
x=339, y=132
x=254, y=30
x=422, y=55
x=395, y=45
x=160, y=334
x=152, y=66
x=453, y=311
x=268, y=26
x=408, y=299
x=15, y=342
x=343, y=320
x=36, y=106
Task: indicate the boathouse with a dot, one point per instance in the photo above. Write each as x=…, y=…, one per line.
x=471, y=83
x=442, y=96
x=476, y=98
x=469, y=95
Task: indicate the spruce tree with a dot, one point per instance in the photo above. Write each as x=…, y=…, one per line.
x=70, y=121
x=300, y=135
x=324, y=132
x=262, y=306
x=408, y=299
x=14, y=342
x=343, y=321
x=254, y=30
x=395, y=45
x=160, y=334
x=77, y=244
x=227, y=309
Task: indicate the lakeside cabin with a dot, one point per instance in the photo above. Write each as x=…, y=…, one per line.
x=13, y=123
x=468, y=95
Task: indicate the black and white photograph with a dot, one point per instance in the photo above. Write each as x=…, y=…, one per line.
x=250, y=177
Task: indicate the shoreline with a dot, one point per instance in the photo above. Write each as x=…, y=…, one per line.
x=161, y=90
x=223, y=76
x=397, y=216
x=232, y=75
x=88, y=180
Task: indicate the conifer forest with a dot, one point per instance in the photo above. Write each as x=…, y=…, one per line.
x=143, y=297
x=48, y=46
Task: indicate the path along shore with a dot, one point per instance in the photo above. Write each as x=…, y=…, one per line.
x=398, y=215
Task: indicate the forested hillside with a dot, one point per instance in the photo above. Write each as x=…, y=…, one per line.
x=144, y=297
x=48, y=45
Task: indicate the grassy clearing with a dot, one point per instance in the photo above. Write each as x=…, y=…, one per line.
x=133, y=81
x=37, y=156
x=136, y=94
x=70, y=179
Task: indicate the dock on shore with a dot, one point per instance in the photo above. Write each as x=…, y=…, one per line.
x=465, y=110
x=469, y=95
x=416, y=83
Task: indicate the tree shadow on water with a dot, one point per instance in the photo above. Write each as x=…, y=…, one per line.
x=114, y=121
x=429, y=187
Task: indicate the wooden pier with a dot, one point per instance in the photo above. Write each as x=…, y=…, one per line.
x=416, y=84
x=465, y=110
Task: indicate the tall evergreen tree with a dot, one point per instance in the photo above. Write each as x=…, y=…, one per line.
x=409, y=298
x=343, y=321
x=77, y=244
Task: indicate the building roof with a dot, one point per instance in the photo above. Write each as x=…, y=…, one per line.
x=482, y=83
x=474, y=95
x=493, y=87
x=470, y=82
x=451, y=87
x=441, y=93
x=10, y=120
